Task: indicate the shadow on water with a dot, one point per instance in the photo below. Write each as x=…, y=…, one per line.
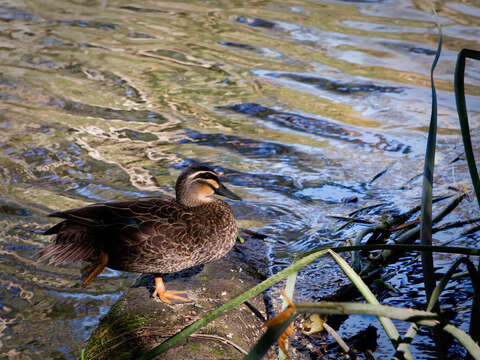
x=12, y=13
x=320, y=127
x=298, y=104
x=77, y=108
x=335, y=86
x=256, y=22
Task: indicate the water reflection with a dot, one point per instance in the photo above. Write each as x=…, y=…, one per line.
x=299, y=104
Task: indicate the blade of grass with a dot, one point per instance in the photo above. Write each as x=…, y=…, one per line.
x=463, y=117
x=461, y=250
x=455, y=224
x=264, y=285
x=426, y=223
x=289, y=290
x=387, y=324
x=446, y=278
x=467, y=145
x=474, y=329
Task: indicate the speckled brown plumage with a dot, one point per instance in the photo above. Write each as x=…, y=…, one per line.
x=149, y=235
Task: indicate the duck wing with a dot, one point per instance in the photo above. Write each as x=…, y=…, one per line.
x=111, y=226
x=119, y=213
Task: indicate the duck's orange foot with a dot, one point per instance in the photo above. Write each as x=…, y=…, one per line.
x=169, y=297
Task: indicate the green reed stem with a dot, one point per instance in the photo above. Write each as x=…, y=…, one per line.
x=427, y=188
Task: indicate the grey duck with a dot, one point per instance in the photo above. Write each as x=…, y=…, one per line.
x=150, y=234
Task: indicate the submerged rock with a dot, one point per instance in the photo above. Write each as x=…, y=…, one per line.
x=137, y=322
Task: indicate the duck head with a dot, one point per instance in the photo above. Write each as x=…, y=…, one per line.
x=197, y=185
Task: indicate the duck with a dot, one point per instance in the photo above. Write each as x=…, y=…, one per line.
x=154, y=235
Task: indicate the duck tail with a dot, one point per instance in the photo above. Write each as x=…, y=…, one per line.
x=54, y=229
x=69, y=245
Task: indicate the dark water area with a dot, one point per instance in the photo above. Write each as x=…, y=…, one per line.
x=299, y=103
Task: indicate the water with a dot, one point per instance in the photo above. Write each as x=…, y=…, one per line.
x=299, y=103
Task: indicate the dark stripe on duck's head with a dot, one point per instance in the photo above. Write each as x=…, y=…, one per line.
x=198, y=169
x=192, y=172
x=206, y=175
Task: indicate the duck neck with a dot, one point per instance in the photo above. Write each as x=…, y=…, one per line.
x=194, y=201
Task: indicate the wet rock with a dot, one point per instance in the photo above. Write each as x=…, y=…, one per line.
x=137, y=322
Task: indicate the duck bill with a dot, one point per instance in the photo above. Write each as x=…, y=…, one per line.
x=223, y=191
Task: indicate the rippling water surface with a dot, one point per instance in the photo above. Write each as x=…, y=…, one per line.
x=299, y=103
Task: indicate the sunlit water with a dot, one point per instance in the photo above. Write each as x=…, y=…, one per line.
x=299, y=103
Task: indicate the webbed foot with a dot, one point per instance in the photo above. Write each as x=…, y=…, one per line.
x=168, y=297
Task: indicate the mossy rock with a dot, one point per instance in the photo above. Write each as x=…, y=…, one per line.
x=137, y=322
